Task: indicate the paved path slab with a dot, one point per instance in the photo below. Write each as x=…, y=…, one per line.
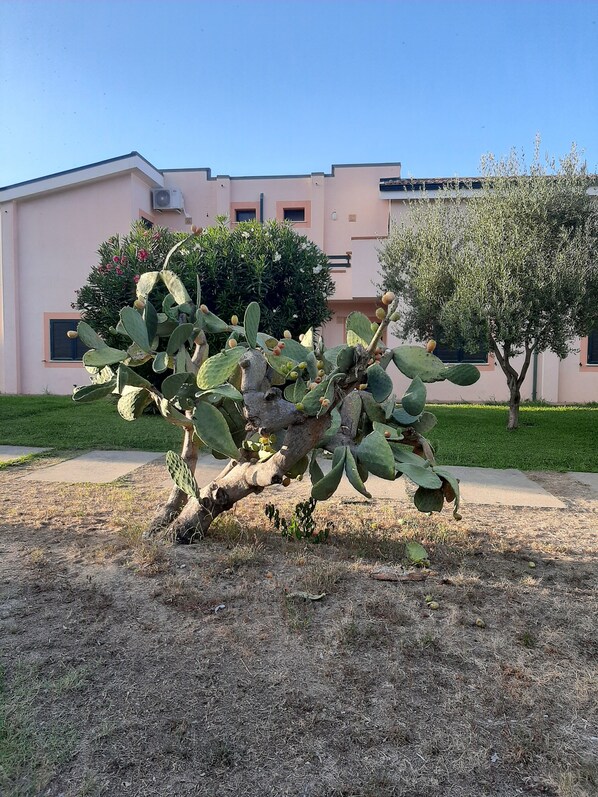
x=8, y=453
x=478, y=486
x=96, y=466
x=507, y=487
x=590, y=479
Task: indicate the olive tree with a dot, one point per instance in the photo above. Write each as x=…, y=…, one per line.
x=267, y=404
x=510, y=267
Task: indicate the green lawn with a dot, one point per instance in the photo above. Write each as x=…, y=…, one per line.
x=549, y=438
x=58, y=422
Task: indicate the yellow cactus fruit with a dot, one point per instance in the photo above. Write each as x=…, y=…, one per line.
x=395, y=316
x=72, y=334
x=299, y=406
x=363, y=387
x=374, y=326
x=430, y=346
x=232, y=343
x=234, y=319
x=325, y=402
x=380, y=314
x=301, y=336
x=204, y=308
x=433, y=605
x=388, y=297
x=139, y=304
x=480, y=623
x=287, y=334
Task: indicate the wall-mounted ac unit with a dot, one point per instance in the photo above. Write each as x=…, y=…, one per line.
x=167, y=199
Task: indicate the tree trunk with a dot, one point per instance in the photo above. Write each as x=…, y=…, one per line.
x=514, y=402
x=177, y=498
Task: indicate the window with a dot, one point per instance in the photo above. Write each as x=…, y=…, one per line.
x=146, y=223
x=459, y=355
x=593, y=347
x=245, y=215
x=61, y=347
x=294, y=214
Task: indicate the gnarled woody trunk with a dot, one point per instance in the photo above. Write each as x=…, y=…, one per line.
x=267, y=412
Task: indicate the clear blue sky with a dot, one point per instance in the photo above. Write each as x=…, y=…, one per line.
x=293, y=86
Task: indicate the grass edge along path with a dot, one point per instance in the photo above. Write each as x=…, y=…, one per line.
x=561, y=438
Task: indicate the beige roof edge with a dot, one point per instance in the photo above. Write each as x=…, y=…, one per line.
x=132, y=163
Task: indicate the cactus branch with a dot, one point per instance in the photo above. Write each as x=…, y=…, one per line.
x=382, y=326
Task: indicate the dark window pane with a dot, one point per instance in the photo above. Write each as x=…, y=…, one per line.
x=245, y=215
x=61, y=347
x=146, y=223
x=294, y=214
x=593, y=347
x=459, y=355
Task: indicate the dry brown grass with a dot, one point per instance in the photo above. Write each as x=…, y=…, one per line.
x=208, y=679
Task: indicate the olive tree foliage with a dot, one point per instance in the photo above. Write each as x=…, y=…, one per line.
x=266, y=405
x=511, y=267
x=269, y=263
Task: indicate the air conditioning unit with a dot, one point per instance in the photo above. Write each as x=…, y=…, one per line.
x=167, y=199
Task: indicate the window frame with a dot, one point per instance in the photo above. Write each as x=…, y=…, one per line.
x=49, y=334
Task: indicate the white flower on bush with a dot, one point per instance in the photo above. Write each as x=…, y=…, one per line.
x=304, y=246
x=277, y=257
x=245, y=234
x=317, y=269
x=295, y=315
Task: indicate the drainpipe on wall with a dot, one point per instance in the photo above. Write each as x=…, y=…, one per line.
x=535, y=375
x=261, y=208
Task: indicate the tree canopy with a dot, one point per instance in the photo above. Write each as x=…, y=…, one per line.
x=511, y=267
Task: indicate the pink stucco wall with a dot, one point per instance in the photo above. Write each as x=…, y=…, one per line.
x=51, y=231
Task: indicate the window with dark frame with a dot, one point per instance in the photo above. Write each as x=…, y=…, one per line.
x=294, y=214
x=245, y=215
x=593, y=347
x=146, y=223
x=63, y=348
x=459, y=355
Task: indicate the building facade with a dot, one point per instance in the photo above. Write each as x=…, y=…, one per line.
x=52, y=227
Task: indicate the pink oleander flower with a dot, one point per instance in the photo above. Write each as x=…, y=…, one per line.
x=116, y=259
x=108, y=267
x=136, y=278
x=119, y=271
x=142, y=254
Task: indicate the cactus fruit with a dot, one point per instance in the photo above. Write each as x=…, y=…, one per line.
x=139, y=304
x=388, y=297
x=299, y=406
x=276, y=351
x=234, y=319
x=380, y=314
x=395, y=316
x=232, y=343
x=287, y=334
x=374, y=327
x=204, y=308
x=430, y=346
x=72, y=334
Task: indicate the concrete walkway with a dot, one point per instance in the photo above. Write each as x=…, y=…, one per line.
x=10, y=453
x=488, y=486
x=99, y=467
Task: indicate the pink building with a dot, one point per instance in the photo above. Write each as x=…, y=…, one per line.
x=51, y=228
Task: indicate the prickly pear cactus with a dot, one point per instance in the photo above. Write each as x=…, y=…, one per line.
x=251, y=399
